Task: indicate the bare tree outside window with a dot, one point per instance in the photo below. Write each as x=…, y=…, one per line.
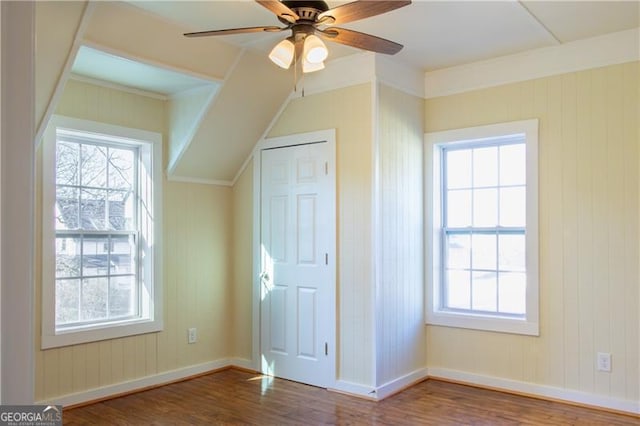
x=96, y=236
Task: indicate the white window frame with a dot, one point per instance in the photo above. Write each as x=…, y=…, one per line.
x=149, y=225
x=435, y=314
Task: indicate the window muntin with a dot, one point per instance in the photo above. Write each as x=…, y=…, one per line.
x=475, y=236
x=96, y=231
x=102, y=222
x=484, y=217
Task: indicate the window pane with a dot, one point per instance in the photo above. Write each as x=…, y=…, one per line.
x=459, y=251
x=122, y=296
x=121, y=210
x=459, y=208
x=513, y=206
x=511, y=252
x=67, y=301
x=93, y=166
x=67, y=256
x=458, y=294
x=484, y=291
x=121, y=168
x=513, y=165
x=93, y=304
x=66, y=208
x=92, y=209
x=95, y=257
x=122, y=254
x=485, y=207
x=513, y=292
x=485, y=167
x=459, y=169
x=67, y=158
x=483, y=251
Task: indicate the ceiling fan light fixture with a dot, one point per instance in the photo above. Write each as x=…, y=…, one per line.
x=314, y=49
x=282, y=54
x=308, y=67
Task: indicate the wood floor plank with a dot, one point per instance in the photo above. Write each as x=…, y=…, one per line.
x=240, y=397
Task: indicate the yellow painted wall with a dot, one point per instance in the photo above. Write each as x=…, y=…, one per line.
x=349, y=111
x=589, y=239
x=197, y=269
x=241, y=293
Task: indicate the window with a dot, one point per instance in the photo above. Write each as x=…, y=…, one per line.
x=101, y=198
x=482, y=203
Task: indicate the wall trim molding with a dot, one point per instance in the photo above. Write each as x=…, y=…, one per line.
x=188, y=179
x=401, y=383
x=116, y=86
x=354, y=389
x=386, y=390
x=362, y=68
x=608, y=49
x=551, y=393
x=383, y=391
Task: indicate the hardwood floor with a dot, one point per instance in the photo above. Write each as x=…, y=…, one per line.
x=238, y=397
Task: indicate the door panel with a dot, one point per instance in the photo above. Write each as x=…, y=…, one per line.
x=298, y=282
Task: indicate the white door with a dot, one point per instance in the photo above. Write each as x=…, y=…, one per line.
x=297, y=309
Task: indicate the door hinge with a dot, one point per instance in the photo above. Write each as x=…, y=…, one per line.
x=326, y=258
x=326, y=348
x=326, y=168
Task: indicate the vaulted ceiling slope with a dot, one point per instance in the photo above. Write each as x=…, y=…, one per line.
x=212, y=127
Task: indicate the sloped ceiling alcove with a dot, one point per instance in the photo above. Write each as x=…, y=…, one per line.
x=224, y=124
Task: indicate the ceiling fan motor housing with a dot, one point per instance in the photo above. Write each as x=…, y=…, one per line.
x=307, y=10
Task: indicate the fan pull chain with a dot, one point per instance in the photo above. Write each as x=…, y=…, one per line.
x=295, y=70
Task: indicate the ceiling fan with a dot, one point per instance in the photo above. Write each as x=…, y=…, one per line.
x=311, y=20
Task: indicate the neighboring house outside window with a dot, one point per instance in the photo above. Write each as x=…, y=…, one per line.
x=483, y=234
x=101, y=232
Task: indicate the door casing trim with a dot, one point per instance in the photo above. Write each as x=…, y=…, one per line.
x=328, y=136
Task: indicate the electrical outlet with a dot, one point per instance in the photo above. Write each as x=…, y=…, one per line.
x=192, y=335
x=603, y=360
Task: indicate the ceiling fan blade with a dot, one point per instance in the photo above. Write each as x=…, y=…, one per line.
x=360, y=40
x=280, y=10
x=234, y=31
x=359, y=10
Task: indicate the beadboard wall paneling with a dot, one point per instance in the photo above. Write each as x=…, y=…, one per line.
x=400, y=341
x=589, y=233
x=347, y=110
x=197, y=273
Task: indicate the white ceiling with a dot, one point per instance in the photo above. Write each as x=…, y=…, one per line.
x=436, y=34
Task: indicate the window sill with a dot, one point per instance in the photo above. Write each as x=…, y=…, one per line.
x=100, y=332
x=483, y=322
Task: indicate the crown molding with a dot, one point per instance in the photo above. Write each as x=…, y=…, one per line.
x=346, y=71
x=116, y=86
x=399, y=76
x=609, y=49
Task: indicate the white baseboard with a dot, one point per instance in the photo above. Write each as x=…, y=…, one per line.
x=354, y=389
x=401, y=383
x=244, y=363
x=141, y=383
x=383, y=391
x=362, y=391
x=532, y=389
